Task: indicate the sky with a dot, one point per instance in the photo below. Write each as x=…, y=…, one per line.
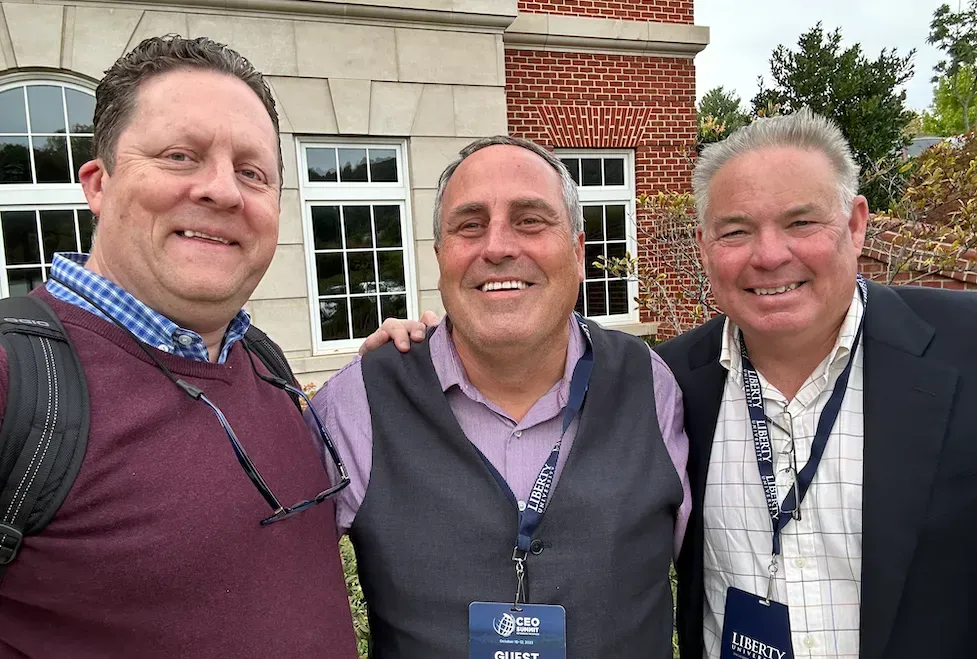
x=744, y=33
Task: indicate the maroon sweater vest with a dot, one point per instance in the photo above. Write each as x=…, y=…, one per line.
x=157, y=550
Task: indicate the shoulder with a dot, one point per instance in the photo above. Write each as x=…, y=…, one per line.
x=345, y=387
x=675, y=352
x=938, y=303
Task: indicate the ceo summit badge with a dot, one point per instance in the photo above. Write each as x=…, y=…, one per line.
x=496, y=630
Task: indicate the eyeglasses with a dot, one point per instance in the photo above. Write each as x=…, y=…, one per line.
x=280, y=512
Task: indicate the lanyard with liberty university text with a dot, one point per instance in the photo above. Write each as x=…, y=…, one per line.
x=781, y=514
x=539, y=496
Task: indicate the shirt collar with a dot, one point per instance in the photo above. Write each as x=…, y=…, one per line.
x=451, y=372
x=147, y=324
x=732, y=360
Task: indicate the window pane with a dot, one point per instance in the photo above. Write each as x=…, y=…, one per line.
x=51, y=159
x=15, y=160
x=393, y=306
x=578, y=307
x=81, y=152
x=383, y=165
x=591, y=171
x=359, y=234
x=352, y=165
x=322, y=165
x=391, y=265
x=13, y=117
x=596, y=299
x=326, y=231
x=613, y=171
x=57, y=232
x=573, y=165
x=20, y=237
x=617, y=297
x=616, y=222
x=23, y=281
x=329, y=273
x=81, y=109
x=365, y=319
x=333, y=321
x=593, y=217
x=592, y=252
x=387, y=219
x=85, y=228
x=46, y=109
x=617, y=250
x=362, y=278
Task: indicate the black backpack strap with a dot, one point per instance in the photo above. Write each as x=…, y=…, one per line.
x=45, y=424
x=272, y=357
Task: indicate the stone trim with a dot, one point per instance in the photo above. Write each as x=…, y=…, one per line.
x=602, y=35
x=334, y=10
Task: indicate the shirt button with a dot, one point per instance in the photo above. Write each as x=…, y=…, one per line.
x=522, y=506
x=801, y=563
x=536, y=547
x=185, y=340
x=163, y=347
x=808, y=642
x=518, y=434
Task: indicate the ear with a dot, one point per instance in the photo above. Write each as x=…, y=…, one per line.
x=93, y=177
x=579, y=251
x=858, y=223
x=700, y=241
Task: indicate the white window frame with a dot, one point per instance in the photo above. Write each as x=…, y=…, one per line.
x=39, y=196
x=593, y=195
x=316, y=192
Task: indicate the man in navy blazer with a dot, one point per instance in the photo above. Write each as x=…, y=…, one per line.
x=878, y=560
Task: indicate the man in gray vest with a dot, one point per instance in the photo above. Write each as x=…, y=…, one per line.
x=518, y=479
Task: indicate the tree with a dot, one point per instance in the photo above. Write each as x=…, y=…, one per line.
x=842, y=84
x=720, y=114
x=945, y=117
x=955, y=33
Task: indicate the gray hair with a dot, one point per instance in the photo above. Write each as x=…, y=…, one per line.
x=803, y=130
x=571, y=198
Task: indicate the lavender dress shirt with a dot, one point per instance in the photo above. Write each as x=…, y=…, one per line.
x=516, y=449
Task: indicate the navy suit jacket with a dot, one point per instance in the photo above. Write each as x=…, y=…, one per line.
x=919, y=517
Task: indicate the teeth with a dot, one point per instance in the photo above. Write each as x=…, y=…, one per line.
x=504, y=285
x=197, y=234
x=774, y=291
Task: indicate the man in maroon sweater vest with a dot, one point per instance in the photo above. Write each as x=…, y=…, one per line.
x=158, y=549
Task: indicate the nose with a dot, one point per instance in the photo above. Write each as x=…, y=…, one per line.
x=218, y=185
x=770, y=250
x=501, y=241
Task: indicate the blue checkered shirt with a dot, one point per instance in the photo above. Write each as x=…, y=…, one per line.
x=147, y=324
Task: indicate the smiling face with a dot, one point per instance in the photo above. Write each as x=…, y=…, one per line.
x=779, y=250
x=188, y=218
x=510, y=263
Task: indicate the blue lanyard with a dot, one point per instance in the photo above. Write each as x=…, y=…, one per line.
x=539, y=496
x=780, y=515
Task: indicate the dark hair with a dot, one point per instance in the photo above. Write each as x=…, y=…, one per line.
x=115, y=96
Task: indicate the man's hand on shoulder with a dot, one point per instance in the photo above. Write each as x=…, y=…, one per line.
x=401, y=332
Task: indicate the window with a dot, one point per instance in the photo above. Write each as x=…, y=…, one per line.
x=45, y=137
x=605, y=183
x=358, y=238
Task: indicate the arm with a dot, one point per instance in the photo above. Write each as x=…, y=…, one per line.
x=671, y=421
x=345, y=412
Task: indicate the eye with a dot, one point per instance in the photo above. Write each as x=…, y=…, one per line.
x=801, y=223
x=251, y=174
x=178, y=156
x=734, y=233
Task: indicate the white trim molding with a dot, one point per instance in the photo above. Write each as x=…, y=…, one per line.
x=603, y=35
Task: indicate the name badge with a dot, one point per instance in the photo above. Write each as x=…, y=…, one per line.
x=755, y=629
x=533, y=631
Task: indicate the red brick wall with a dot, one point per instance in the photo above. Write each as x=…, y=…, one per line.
x=663, y=11
x=582, y=100
x=872, y=268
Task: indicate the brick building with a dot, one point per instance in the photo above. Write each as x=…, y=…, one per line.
x=375, y=97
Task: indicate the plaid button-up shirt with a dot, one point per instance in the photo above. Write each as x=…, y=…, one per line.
x=147, y=324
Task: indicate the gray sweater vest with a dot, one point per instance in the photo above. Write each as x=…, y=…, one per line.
x=436, y=531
